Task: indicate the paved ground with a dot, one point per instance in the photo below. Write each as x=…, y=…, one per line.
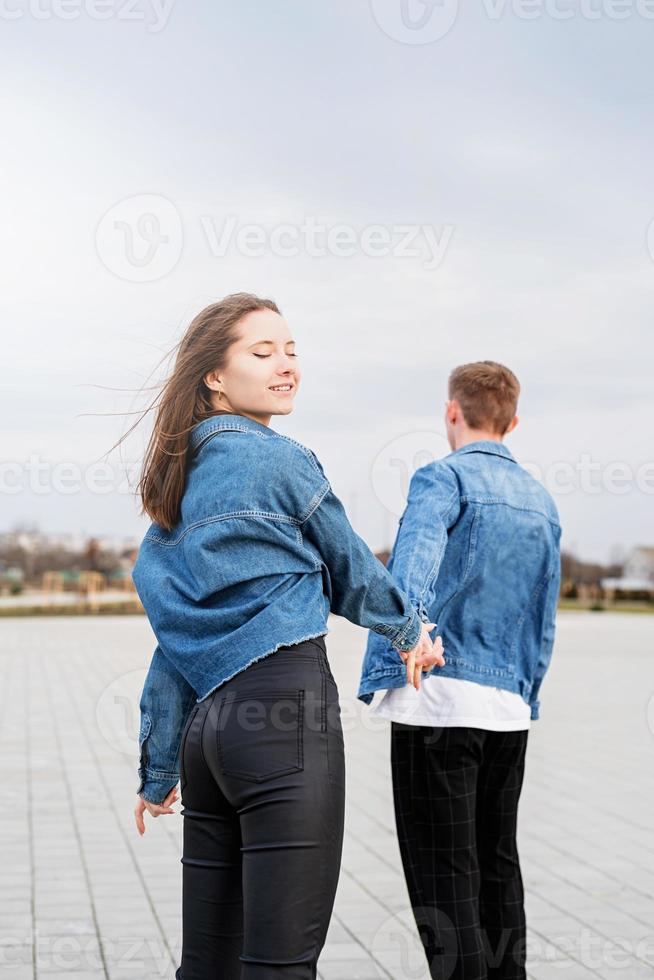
x=84, y=896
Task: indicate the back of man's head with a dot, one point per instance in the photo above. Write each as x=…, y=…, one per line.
x=487, y=394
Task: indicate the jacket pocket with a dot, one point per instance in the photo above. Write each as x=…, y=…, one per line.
x=260, y=736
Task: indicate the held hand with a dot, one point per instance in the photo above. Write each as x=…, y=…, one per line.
x=155, y=809
x=424, y=655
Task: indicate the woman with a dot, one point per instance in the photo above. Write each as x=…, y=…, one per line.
x=248, y=552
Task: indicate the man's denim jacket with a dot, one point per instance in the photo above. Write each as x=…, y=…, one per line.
x=477, y=551
x=262, y=551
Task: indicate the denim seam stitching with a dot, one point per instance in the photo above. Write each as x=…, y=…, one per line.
x=476, y=668
x=472, y=541
x=402, y=634
x=316, y=500
x=269, y=515
x=225, y=427
x=468, y=499
x=317, y=565
x=159, y=773
x=272, y=434
x=433, y=571
x=533, y=598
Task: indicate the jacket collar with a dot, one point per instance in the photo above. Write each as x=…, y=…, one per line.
x=486, y=446
x=224, y=420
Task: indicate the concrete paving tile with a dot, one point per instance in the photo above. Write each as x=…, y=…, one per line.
x=584, y=832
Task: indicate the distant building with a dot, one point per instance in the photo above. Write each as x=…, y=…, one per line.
x=637, y=574
x=34, y=540
x=640, y=565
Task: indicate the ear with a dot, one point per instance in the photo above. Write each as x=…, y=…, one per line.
x=452, y=410
x=211, y=381
x=514, y=421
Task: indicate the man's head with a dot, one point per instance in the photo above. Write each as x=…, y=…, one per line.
x=482, y=403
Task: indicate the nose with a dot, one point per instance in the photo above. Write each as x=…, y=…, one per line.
x=285, y=366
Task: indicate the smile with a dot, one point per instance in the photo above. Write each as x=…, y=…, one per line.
x=282, y=388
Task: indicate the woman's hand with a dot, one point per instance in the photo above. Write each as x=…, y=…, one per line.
x=425, y=655
x=155, y=809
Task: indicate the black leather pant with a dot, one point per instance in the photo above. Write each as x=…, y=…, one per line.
x=263, y=789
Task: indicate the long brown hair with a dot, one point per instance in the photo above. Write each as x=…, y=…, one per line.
x=185, y=400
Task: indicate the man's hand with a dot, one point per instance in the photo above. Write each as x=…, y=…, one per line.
x=155, y=809
x=425, y=655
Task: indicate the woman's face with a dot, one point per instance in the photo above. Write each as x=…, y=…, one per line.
x=262, y=374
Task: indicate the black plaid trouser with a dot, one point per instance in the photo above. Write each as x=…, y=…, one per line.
x=456, y=793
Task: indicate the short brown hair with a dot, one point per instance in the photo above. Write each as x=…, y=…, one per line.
x=487, y=393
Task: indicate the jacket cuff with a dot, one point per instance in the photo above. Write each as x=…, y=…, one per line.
x=155, y=787
x=408, y=636
x=535, y=711
x=422, y=612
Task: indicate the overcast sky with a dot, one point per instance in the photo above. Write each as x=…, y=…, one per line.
x=454, y=186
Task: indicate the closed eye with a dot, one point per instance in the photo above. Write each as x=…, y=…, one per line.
x=289, y=354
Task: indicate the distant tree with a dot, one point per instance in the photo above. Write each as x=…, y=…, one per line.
x=92, y=555
x=573, y=570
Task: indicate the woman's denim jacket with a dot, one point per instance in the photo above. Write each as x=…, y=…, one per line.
x=477, y=551
x=262, y=551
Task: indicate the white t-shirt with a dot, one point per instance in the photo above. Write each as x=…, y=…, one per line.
x=452, y=702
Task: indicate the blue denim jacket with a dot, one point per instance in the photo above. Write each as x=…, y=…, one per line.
x=477, y=551
x=262, y=551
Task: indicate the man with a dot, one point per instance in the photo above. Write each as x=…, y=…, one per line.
x=477, y=551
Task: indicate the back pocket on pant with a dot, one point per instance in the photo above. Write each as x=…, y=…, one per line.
x=260, y=735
